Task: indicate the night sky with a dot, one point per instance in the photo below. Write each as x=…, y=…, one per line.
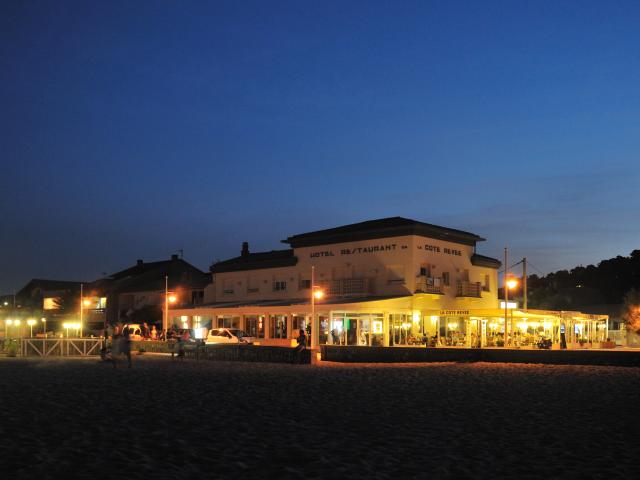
x=133, y=129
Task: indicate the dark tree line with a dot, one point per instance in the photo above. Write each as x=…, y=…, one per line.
x=606, y=283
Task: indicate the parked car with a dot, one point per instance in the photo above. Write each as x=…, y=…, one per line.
x=228, y=335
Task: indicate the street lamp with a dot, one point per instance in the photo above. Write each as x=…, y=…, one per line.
x=44, y=326
x=509, y=284
x=31, y=322
x=7, y=324
x=316, y=293
x=168, y=298
x=16, y=323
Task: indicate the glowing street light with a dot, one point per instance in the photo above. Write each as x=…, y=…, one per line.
x=316, y=293
x=72, y=326
x=168, y=298
x=31, y=322
x=509, y=284
x=44, y=326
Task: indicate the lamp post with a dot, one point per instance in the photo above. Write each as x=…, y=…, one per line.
x=81, y=308
x=17, y=324
x=7, y=324
x=509, y=283
x=31, y=322
x=44, y=326
x=167, y=300
x=316, y=293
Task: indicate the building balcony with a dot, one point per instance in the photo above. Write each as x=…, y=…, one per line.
x=345, y=286
x=469, y=289
x=426, y=284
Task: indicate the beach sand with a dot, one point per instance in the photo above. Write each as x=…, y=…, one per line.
x=185, y=419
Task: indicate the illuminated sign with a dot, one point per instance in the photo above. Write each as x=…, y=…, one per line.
x=509, y=305
x=390, y=247
x=454, y=312
x=377, y=326
x=437, y=249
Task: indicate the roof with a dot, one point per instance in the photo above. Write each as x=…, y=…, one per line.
x=48, y=286
x=381, y=228
x=252, y=261
x=482, y=261
x=150, y=276
x=291, y=302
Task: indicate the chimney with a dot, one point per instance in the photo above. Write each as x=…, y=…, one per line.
x=139, y=262
x=245, y=249
x=174, y=257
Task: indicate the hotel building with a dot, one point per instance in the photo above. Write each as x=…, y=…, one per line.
x=386, y=282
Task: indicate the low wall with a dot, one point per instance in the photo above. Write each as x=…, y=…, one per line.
x=406, y=355
x=249, y=353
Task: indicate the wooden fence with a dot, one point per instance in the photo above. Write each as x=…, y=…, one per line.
x=59, y=347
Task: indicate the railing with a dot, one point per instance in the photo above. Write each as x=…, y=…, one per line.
x=345, y=286
x=60, y=347
x=429, y=285
x=468, y=289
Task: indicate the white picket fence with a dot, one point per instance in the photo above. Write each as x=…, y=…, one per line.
x=60, y=347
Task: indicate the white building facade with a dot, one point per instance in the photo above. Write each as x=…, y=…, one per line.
x=385, y=282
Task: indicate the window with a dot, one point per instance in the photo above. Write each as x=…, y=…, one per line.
x=227, y=287
x=196, y=297
x=299, y=323
x=396, y=273
x=305, y=284
x=278, y=324
x=445, y=278
x=279, y=285
x=228, y=322
x=424, y=270
x=487, y=283
x=253, y=285
x=254, y=325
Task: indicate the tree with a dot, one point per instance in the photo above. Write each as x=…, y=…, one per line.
x=631, y=311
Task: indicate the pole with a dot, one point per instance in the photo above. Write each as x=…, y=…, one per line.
x=81, y=307
x=506, y=295
x=314, y=324
x=524, y=283
x=165, y=324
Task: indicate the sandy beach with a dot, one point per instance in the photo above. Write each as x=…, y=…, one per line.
x=182, y=419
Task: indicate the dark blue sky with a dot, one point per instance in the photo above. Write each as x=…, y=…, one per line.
x=134, y=129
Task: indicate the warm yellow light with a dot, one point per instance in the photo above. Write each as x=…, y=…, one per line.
x=31, y=322
x=512, y=283
x=172, y=299
x=86, y=302
x=318, y=294
x=16, y=322
x=453, y=326
x=43, y=319
x=8, y=321
x=71, y=325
